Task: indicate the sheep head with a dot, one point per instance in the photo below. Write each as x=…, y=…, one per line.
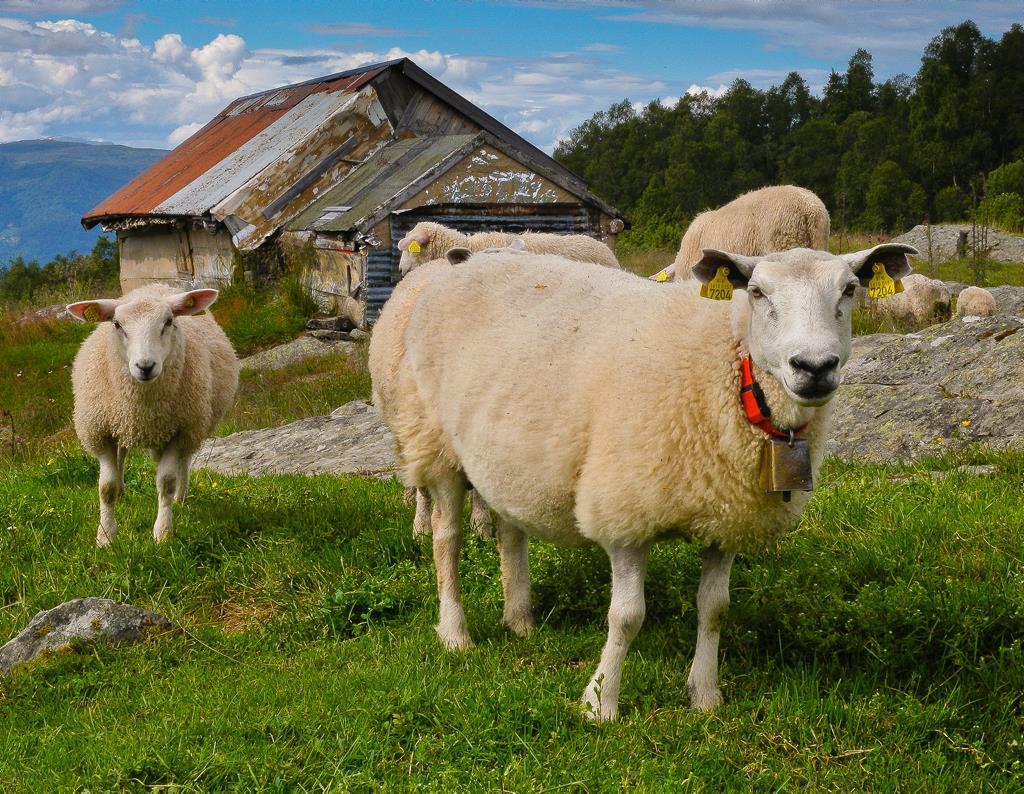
x=144, y=331
x=797, y=306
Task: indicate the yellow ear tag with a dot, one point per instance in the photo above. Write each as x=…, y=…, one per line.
x=881, y=285
x=719, y=288
x=190, y=303
x=662, y=276
x=92, y=313
x=413, y=247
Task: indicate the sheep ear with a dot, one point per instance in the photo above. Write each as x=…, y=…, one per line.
x=420, y=237
x=892, y=256
x=740, y=267
x=93, y=311
x=457, y=256
x=193, y=302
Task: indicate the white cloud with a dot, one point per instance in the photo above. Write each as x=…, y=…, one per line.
x=697, y=90
x=183, y=132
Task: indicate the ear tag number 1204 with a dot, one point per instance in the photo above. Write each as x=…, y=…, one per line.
x=881, y=284
x=719, y=288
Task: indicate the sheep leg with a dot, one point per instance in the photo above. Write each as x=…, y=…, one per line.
x=184, y=467
x=515, y=578
x=712, y=604
x=111, y=487
x=448, y=496
x=421, y=523
x=625, y=616
x=168, y=473
x=480, y=515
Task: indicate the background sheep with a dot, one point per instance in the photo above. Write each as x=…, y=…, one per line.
x=975, y=301
x=576, y=431
x=152, y=376
x=755, y=224
x=924, y=301
x=435, y=240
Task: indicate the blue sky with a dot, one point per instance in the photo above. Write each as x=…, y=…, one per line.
x=149, y=73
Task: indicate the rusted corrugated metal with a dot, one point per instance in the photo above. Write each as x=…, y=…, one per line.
x=163, y=189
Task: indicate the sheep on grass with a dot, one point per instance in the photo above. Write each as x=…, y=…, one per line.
x=975, y=301
x=598, y=407
x=155, y=376
x=430, y=241
x=754, y=224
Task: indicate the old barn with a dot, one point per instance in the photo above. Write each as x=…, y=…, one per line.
x=347, y=163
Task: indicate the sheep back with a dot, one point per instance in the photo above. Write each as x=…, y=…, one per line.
x=757, y=223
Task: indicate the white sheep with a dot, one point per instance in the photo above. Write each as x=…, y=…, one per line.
x=923, y=301
x=386, y=350
x=595, y=406
x=754, y=224
x=434, y=240
x=975, y=301
x=151, y=376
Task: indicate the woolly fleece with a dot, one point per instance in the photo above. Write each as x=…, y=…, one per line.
x=194, y=391
x=436, y=240
x=757, y=223
x=614, y=401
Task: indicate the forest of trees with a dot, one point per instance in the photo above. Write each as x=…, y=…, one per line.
x=882, y=156
x=22, y=281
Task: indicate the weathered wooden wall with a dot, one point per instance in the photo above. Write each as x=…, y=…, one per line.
x=178, y=255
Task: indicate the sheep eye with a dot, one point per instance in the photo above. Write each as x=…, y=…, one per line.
x=117, y=325
x=849, y=291
x=754, y=292
x=168, y=322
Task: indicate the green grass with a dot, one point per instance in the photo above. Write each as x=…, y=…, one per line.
x=879, y=647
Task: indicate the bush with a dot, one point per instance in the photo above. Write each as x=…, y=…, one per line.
x=1006, y=211
x=1007, y=178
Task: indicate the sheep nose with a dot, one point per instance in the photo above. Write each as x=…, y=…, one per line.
x=145, y=367
x=817, y=366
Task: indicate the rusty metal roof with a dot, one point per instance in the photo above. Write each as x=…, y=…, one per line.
x=250, y=133
x=269, y=156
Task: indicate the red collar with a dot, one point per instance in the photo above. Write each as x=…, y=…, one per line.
x=754, y=405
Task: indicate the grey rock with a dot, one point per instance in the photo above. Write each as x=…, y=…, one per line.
x=943, y=388
x=330, y=336
x=329, y=324
x=358, y=335
x=1001, y=246
x=297, y=350
x=83, y=620
x=352, y=440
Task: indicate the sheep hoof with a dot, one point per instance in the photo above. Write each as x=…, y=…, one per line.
x=708, y=700
x=103, y=538
x=520, y=625
x=455, y=639
x=595, y=710
x=160, y=534
x=421, y=529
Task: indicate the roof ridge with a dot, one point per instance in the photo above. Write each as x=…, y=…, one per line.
x=329, y=78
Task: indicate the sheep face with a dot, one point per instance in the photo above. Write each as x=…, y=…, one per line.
x=144, y=332
x=798, y=308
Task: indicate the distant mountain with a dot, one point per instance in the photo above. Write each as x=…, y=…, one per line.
x=47, y=185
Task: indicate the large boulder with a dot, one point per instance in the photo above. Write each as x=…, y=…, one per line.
x=352, y=440
x=80, y=620
x=946, y=387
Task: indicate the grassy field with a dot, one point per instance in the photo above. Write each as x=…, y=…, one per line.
x=879, y=647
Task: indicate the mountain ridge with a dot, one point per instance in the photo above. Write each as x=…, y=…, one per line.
x=46, y=185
